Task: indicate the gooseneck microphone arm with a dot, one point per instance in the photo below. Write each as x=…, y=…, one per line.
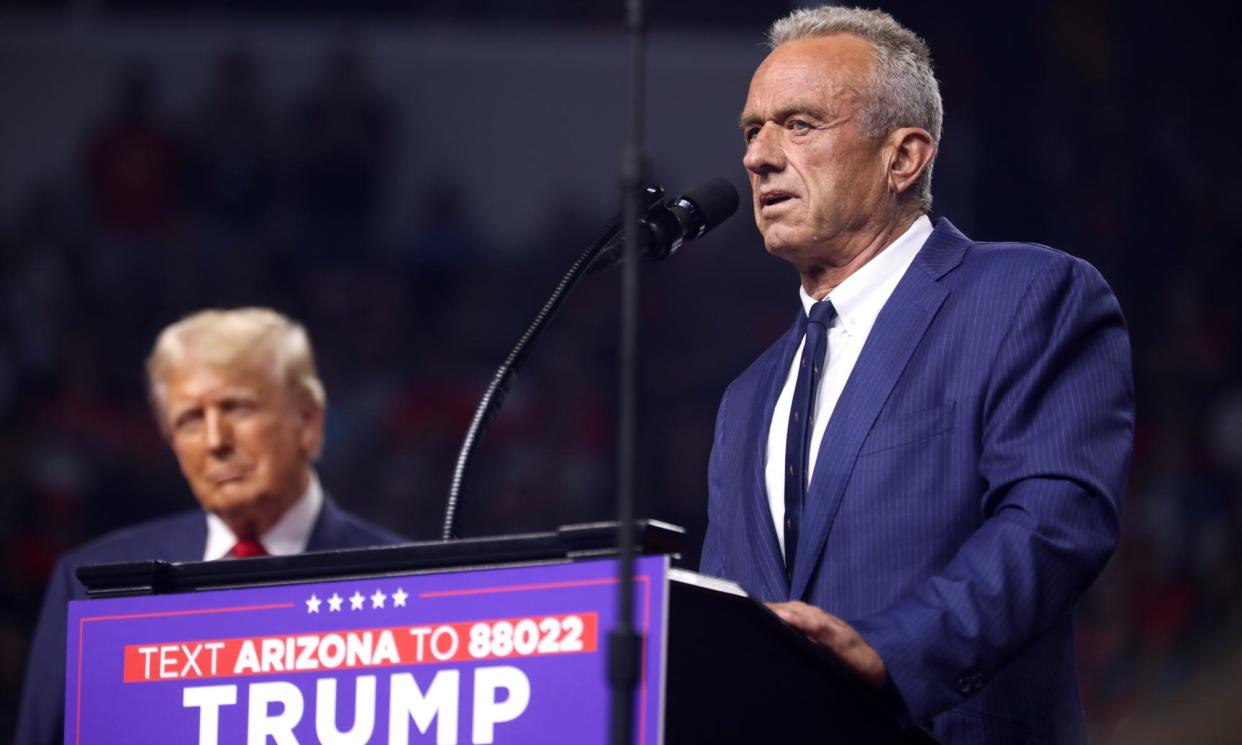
x=494, y=397
x=664, y=227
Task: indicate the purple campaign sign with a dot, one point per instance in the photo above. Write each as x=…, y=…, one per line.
x=511, y=655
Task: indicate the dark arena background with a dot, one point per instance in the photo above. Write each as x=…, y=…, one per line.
x=409, y=179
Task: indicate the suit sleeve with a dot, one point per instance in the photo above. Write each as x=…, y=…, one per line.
x=40, y=719
x=1057, y=428
x=712, y=559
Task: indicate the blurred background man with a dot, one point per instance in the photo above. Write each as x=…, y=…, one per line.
x=237, y=396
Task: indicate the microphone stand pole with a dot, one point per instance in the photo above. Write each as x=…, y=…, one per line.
x=624, y=642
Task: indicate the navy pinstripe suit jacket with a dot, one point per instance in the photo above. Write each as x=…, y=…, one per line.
x=967, y=488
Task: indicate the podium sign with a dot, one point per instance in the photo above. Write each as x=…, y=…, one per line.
x=502, y=655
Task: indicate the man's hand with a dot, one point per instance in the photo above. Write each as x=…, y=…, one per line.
x=829, y=631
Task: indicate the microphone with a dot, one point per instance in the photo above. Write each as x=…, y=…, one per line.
x=668, y=225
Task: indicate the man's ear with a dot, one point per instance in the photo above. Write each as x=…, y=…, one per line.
x=911, y=149
x=311, y=437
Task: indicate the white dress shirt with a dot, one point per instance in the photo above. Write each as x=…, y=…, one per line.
x=858, y=301
x=288, y=536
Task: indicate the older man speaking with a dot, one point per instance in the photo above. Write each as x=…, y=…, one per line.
x=925, y=472
x=238, y=398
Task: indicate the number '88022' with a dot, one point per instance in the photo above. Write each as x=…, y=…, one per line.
x=528, y=636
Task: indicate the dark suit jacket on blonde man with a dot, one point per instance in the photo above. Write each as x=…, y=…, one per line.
x=968, y=440
x=238, y=398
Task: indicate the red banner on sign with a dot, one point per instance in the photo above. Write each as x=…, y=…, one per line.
x=504, y=638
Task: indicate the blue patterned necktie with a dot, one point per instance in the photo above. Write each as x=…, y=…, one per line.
x=801, y=423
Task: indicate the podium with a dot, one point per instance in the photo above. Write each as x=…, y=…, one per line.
x=494, y=640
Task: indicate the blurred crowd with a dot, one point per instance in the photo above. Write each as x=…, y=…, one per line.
x=1067, y=131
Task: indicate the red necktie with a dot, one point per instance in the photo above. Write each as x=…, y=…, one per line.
x=245, y=548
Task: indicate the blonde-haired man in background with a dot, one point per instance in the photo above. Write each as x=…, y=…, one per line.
x=237, y=396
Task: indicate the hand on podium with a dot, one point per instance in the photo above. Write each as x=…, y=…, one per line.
x=829, y=631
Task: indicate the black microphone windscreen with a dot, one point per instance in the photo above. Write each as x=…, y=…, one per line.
x=716, y=199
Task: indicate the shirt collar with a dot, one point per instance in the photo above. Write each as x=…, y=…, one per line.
x=288, y=536
x=860, y=297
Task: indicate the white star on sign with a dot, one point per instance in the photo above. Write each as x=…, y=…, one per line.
x=312, y=605
x=334, y=602
x=398, y=598
x=377, y=600
x=355, y=601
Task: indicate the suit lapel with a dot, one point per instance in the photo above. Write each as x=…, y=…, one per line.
x=184, y=539
x=893, y=339
x=759, y=512
x=325, y=533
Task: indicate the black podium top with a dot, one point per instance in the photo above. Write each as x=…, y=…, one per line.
x=567, y=543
